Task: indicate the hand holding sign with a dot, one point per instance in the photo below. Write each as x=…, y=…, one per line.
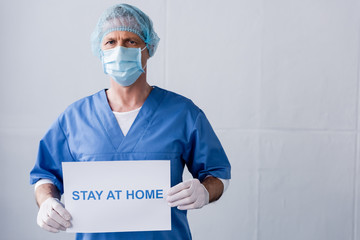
x=187, y=195
x=52, y=216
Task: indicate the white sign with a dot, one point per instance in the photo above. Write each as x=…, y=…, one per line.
x=117, y=196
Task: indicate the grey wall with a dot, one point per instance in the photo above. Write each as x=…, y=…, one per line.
x=278, y=79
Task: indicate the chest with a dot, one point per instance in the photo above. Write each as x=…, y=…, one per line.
x=158, y=136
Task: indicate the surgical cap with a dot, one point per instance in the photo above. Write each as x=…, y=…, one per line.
x=124, y=17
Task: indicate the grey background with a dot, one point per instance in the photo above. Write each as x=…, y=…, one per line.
x=278, y=80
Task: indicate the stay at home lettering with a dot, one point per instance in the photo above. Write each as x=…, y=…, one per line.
x=117, y=194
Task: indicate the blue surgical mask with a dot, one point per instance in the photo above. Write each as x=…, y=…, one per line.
x=123, y=64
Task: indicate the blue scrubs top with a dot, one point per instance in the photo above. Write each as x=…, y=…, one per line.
x=168, y=126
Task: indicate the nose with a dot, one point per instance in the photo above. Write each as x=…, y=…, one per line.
x=120, y=43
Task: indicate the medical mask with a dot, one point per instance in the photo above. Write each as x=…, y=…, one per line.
x=123, y=64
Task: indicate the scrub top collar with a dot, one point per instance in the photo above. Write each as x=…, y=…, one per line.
x=127, y=143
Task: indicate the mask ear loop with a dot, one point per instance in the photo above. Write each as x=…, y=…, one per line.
x=146, y=61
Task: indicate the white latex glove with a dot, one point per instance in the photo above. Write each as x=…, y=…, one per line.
x=52, y=216
x=187, y=195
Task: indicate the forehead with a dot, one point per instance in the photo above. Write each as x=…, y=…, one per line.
x=122, y=34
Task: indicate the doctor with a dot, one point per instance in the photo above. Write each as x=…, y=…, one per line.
x=131, y=121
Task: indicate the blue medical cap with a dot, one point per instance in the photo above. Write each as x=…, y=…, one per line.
x=124, y=17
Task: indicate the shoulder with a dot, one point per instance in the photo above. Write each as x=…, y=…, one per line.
x=179, y=102
x=81, y=107
x=84, y=102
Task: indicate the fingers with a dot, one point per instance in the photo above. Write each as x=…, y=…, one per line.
x=48, y=228
x=59, y=208
x=193, y=205
x=53, y=216
x=182, y=194
x=183, y=202
x=52, y=224
x=61, y=223
x=179, y=187
x=185, y=196
x=45, y=222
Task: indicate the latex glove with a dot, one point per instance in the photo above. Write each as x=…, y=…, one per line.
x=187, y=195
x=52, y=216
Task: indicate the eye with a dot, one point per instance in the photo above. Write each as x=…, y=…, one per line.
x=110, y=42
x=132, y=42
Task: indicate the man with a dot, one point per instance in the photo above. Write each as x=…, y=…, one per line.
x=131, y=121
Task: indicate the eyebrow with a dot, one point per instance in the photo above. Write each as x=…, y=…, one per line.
x=106, y=39
x=133, y=38
x=109, y=38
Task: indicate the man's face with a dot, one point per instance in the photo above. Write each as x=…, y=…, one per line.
x=125, y=39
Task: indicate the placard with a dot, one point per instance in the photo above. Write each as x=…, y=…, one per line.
x=117, y=196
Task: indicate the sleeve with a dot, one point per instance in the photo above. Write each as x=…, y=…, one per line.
x=41, y=182
x=205, y=155
x=53, y=150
